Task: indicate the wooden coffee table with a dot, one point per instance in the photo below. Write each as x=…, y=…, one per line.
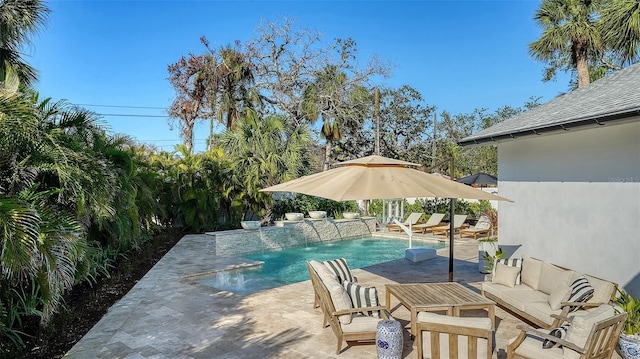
x=450, y=297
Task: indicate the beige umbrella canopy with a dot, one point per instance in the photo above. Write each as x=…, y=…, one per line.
x=376, y=177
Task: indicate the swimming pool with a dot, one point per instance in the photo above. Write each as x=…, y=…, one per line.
x=289, y=265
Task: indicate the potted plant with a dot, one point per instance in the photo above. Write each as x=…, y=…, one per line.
x=488, y=253
x=629, y=341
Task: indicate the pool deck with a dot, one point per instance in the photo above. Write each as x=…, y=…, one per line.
x=167, y=315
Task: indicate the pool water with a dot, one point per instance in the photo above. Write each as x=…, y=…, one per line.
x=289, y=265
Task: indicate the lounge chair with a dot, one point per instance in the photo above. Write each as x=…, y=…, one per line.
x=443, y=336
x=433, y=221
x=412, y=219
x=348, y=324
x=593, y=335
x=458, y=221
x=482, y=227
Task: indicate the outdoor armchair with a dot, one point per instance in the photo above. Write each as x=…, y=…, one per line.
x=347, y=323
x=447, y=337
x=589, y=336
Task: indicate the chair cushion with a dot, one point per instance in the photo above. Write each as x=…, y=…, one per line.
x=338, y=294
x=361, y=323
x=471, y=322
x=531, y=269
x=506, y=275
x=531, y=347
x=362, y=297
x=323, y=272
x=551, y=276
x=581, y=325
x=581, y=291
x=340, y=268
x=514, y=262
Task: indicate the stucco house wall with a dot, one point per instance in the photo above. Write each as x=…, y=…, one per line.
x=576, y=200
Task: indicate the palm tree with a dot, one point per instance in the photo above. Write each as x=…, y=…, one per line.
x=570, y=36
x=263, y=153
x=19, y=19
x=237, y=97
x=338, y=102
x=620, y=26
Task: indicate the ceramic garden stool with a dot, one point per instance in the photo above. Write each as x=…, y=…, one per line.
x=389, y=339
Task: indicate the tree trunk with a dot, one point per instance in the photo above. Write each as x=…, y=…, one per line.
x=327, y=154
x=582, y=65
x=187, y=133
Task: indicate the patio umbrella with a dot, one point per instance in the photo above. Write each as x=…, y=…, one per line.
x=376, y=177
x=480, y=178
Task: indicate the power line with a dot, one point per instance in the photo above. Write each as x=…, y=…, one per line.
x=122, y=106
x=126, y=115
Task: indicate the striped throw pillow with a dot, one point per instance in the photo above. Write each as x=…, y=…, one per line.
x=340, y=268
x=559, y=332
x=513, y=262
x=363, y=297
x=581, y=291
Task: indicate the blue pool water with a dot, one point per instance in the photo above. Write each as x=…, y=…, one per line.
x=289, y=265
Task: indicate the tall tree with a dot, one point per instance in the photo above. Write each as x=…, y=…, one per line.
x=287, y=60
x=19, y=19
x=570, y=36
x=620, y=27
x=235, y=79
x=331, y=99
x=190, y=77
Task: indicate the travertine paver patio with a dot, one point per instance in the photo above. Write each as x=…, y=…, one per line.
x=167, y=315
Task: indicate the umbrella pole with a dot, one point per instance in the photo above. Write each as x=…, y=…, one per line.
x=452, y=210
x=452, y=213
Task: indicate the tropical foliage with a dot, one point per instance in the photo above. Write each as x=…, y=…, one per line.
x=587, y=37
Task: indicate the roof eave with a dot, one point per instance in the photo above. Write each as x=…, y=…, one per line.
x=598, y=120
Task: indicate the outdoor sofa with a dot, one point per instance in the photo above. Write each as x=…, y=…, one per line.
x=540, y=292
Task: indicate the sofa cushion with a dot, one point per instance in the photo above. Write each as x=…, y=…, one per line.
x=551, y=276
x=559, y=295
x=361, y=323
x=362, y=297
x=581, y=291
x=471, y=322
x=493, y=288
x=513, y=262
x=531, y=269
x=581, y=326
x=519, y=298
x=602, y=290
x=541, y=310
x=505, y=275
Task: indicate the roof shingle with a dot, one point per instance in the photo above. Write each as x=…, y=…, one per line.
x=614, y=97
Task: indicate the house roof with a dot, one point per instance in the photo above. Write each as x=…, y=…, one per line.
x=613, y=98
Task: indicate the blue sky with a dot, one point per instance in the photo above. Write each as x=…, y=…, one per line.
x=461, y=55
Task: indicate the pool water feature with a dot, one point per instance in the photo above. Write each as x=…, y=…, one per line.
x=288, y=266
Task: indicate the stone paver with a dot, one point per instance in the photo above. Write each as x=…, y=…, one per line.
x=168, y=315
